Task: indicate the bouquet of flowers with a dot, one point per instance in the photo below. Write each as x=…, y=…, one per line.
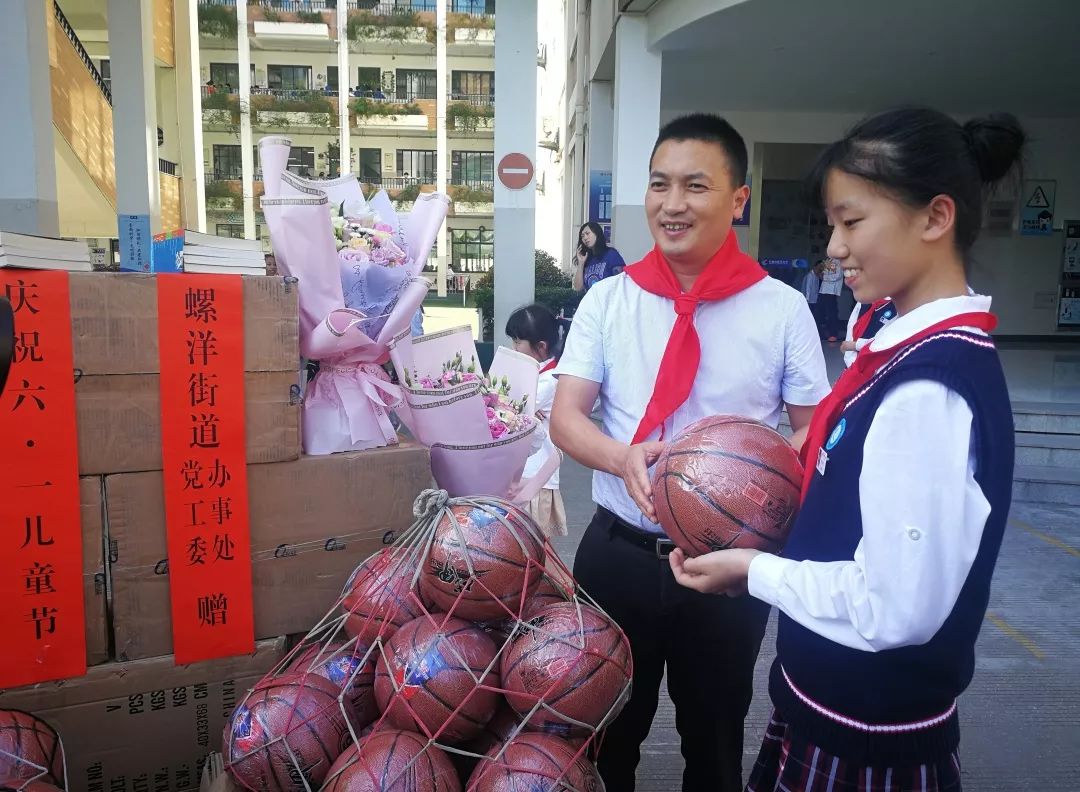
x=479, y=428
x=358, y=264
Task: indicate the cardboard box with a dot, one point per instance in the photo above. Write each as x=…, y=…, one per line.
x=146, y=725
x=119, y=420
x=312, y=522
x=115, y=323
x=94, y=589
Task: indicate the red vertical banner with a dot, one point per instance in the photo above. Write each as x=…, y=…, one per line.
x=201, y=342
x=41, y=586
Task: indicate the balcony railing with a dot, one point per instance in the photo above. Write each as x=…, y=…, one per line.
x=69, y=31
x=295, y=6
x=485, y=185
x=166, y=167
x=388, y=8
x=479, y=99
x=406, y=95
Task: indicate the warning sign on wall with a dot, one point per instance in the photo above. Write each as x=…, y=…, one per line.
x=1037, y=208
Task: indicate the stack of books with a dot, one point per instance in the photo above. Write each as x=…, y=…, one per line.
x=43, y=253
x=205, y=253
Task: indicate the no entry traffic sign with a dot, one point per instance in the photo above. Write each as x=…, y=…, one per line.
x=515, y=171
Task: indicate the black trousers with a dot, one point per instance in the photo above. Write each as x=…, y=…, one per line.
x=708, y=643
x=829, y=306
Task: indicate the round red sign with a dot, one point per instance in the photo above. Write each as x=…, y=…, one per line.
x=515, y=171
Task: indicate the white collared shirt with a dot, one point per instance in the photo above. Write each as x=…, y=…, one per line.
x=923, y=516
x=759, y=349
x=545, y=397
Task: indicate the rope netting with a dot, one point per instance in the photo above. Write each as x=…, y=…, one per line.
x=31, y=754
x=462, y=657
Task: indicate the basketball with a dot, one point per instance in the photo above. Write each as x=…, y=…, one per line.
x=479, y=562
x=535, y=761
x=393, y=761
x=288, y=729
x=379, y=598
x=23, y=785
x=351, y=669
x=427, y=679
x=29, y=749
x=727, y=482
x=576, y=661
x=548, y=592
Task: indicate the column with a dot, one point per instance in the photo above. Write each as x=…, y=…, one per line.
x=247, y=151
x=28, y=189
x=131, y=55
x=189, y=113
x=637, y=121
x=441, y=154
x=598, y=150
x=345, y=134
x=515, y=133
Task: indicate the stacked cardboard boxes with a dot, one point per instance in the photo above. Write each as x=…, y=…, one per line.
x=137, y=721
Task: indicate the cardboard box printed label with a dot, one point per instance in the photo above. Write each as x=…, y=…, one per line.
x=312, y=522
x=146, y=725
x=94, y=579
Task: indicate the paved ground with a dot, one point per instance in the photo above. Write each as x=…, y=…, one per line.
x=1021, y=715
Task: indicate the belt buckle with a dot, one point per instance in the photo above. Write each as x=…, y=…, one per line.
x=664, y=548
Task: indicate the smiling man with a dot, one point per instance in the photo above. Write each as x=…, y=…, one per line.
x=694, y=329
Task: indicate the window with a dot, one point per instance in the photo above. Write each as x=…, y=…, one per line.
x=472, y=249
x=105, y=70
x=473, y=86
x=302, y=161
x=417, y=163
x=478, y=7
x=368, y=78
x=415, y=84
x=331, y=78
x=225, y=73
x=473, y=168
x=370, y=162
x=289, y=78
x=227, y=162
x=230, y=230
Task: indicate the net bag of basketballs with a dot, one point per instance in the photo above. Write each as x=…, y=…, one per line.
x=461, y=657
x=480, y=428
x=31, y=754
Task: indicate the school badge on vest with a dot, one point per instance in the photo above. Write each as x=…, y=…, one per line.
x=834, y=438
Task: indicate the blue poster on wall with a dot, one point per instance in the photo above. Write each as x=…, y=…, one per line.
x=600, y=197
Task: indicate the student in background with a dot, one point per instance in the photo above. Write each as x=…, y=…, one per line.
x=535, y=332
x=810, y=287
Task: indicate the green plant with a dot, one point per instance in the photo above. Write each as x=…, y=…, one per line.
x=366, y=108
x=455, y=22
x=318, y=106
x=552, y=288
x=270, y=15
x=465, y=117
x=221, y=189
x=217, y=21
x=394, y=26
x=465, y=194
x=311, y=17
x=409, y=193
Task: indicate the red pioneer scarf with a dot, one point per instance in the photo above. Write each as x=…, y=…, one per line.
x=549, y=365
x=866, y=365
x=728, y=272
x=863, y=322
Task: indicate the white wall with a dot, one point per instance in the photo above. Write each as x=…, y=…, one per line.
x=551, y=118
x=1019, y=272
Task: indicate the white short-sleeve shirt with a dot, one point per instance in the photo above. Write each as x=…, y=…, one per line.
x=759, y=349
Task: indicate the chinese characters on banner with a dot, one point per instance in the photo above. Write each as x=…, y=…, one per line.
x=41, y=564
x=201, y=342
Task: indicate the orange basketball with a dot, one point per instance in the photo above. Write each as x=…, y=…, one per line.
x=482, y=558
x=379, y=597
x=351, y=669
x=393, y=761
x=535, y=761
x=29, y=749
x=727, y=482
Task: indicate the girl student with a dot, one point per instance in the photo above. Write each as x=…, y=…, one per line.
x=535, y=332
x=885, y=579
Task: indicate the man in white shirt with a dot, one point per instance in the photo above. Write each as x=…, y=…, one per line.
x=759, y=350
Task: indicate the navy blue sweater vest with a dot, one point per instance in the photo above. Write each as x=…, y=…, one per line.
x=881, y=317
x=841, y=698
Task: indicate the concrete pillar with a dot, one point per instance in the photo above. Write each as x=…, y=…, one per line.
x=28, y=188
x=344, y=133
x=598, y=153
x=441, y=153
x=247, y=151
x=189, y=113
x=637, y=121
x=131, y=55
x=515, y=132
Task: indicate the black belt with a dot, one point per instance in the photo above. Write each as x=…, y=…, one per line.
x=661, y=546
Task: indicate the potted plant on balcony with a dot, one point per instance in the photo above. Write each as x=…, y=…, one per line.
x=312, y=110
x=217, y=21
x=223, y=197
x=467, y=117
x=386, y=113
x=398, y=26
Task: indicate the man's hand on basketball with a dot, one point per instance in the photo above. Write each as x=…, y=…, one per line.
x=635, y=473
x=722, y=572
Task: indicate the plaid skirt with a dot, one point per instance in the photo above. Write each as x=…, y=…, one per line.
x=788, y=763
